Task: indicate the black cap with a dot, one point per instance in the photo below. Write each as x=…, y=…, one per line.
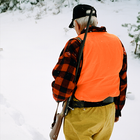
x=80, y=11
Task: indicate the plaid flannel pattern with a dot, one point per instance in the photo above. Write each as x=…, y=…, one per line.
x=65, y=69
x=120, y=100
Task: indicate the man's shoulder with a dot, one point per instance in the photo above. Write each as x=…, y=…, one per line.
x=113, y=35
x=76, y=41
x=73, y=45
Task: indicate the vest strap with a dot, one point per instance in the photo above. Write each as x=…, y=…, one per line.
x=79, y=39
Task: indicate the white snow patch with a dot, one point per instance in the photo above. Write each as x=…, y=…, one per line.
x=31, y=48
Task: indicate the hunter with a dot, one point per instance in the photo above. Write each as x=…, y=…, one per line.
x=99, y=92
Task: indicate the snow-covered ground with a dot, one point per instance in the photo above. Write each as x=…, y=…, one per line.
x=30, y=50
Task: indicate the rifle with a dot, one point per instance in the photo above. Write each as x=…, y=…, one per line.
x=56, y=125
x=58, y=117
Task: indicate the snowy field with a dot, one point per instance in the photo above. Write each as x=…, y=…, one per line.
x=31, y=48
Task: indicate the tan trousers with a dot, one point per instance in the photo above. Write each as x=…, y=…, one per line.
x=93, y=123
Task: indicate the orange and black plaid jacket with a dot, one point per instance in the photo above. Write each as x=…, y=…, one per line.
x=64, y=72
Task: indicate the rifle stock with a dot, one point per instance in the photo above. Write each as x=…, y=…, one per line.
x=57, y=123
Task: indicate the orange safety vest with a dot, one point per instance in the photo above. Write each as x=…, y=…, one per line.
x=102, y=62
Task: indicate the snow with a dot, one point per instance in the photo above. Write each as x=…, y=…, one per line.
x=30, y=47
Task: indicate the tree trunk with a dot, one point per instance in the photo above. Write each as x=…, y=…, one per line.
x=136, y=48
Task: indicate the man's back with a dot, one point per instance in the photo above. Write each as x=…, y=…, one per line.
x=102, y=62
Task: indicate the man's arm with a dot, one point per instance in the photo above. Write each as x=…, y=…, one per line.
x=120, y=100
x=64, y=71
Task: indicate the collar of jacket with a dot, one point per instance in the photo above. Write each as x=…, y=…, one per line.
x=94, y=29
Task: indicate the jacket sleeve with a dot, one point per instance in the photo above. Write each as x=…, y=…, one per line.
x=120, y=100
x=64, y=71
